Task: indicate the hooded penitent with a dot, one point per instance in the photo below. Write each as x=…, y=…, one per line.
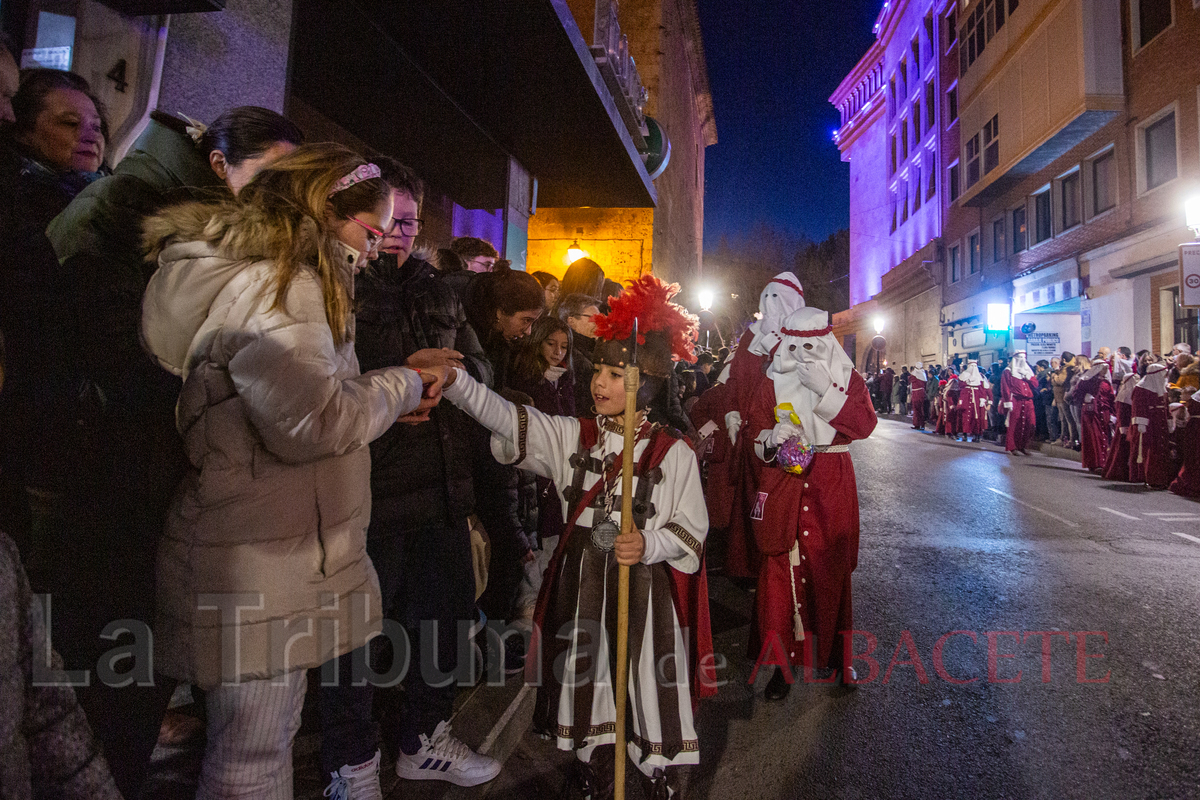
x=807, y=344
x=666, y=334
x=1155, y=379
x=1019, y=366
x=918, y=371
x=971, y=376
x=781, y=296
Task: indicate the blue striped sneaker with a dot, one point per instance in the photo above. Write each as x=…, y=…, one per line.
x=442, y=757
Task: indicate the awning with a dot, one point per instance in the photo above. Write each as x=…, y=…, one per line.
x=455, y=87
x=1071, y=306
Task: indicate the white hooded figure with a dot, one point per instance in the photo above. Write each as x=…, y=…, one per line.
x=782, y=295
x=779, y=298
x=918, y=371
x=1019, y=367
x=972, y=377
x=811, y=371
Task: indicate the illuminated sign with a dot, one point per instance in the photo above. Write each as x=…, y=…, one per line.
x=998, y=316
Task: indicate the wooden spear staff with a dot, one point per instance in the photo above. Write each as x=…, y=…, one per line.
x=632, y=381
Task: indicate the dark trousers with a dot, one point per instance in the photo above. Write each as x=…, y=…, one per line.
x=427, y=580
x=348, y=735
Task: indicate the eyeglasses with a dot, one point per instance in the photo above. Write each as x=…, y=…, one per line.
x=374, y=235
x=408, y=227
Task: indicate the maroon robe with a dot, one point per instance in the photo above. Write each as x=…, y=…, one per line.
x=1116, y=467
x=1021, y=420
x=1153, y=446
x=916, y=390
x=1095, y=419
x=1187, y=483
x=972, y=409
x=746, y=372
x=819, y=510
x=950, y=408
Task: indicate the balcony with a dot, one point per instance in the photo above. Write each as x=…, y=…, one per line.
x=1051, y=78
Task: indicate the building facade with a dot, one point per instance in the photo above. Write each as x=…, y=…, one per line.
x=1076, y=144
x=502, y=108
x=665, y=49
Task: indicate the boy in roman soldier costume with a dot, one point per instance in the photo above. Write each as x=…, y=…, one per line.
x=573, y=652
x=806, y=522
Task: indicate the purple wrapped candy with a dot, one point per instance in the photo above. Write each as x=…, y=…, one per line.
x=794, y=455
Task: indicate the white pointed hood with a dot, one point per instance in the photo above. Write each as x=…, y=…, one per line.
x=1019, y=367
x=779, y=298
x=971, y=376
x=1155, y=379
x=806, y=337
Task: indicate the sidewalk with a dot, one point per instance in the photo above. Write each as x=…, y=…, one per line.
x=1045, y=448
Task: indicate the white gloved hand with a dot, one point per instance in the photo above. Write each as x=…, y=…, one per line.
x=733, y=423
x=814, y=376
x=782, y=432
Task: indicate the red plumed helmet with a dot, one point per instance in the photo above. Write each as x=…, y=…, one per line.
x=666, y=331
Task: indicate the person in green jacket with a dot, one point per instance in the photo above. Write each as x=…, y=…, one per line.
x=103, y=532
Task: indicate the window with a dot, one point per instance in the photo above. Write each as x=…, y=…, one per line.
x=916, y=58
x=1150, y=18
x=1041, y=216
x=1104, y=182
x=916, y=184
x=991, y=144
x=892, y=201
x=955, y=258
x=952, y=105
x=1020, y=235
x=971, y=156
x=980, y=26
x=1070, y=201
x=973, y=252
x=998, y=239
x=916, y=120
x=891, y=97
x=903, y=139
x=930, y=105
x=903, y=201
x=954, y=181
x=932, y=42
x=931, y=173
x=952, y=27
x=893, y=162
x=903, y=84
x=1158, y=148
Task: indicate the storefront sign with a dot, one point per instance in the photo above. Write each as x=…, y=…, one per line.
x=1042, y=345
x=1189, y=275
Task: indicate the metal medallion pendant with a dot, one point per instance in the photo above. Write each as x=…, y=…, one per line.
x=604, y=534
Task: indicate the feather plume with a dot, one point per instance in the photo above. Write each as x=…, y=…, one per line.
x=648, y=300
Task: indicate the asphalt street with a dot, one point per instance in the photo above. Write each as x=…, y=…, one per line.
x=961, y=537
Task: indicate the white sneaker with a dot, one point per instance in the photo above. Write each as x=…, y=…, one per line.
x=445, y=758
x=356, y=783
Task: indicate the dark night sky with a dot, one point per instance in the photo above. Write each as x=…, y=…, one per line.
x=772, y=65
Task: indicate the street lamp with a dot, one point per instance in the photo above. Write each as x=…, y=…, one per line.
x=575, y=252
x=1191, y=210
x=706, y=299
x=878, y=323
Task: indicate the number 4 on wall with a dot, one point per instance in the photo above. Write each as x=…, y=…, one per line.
x=117, y=76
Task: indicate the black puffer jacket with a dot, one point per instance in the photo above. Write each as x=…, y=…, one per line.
x=420, y=474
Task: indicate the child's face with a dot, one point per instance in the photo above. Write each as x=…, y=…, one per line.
x=608, y=390
x=554, y=348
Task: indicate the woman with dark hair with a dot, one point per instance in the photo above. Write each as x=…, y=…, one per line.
x=501, y=306
x=611, y=289
x=583, y=277
x=251, y=306
x=116, y=499
x=551, y=285
x=539, y=367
